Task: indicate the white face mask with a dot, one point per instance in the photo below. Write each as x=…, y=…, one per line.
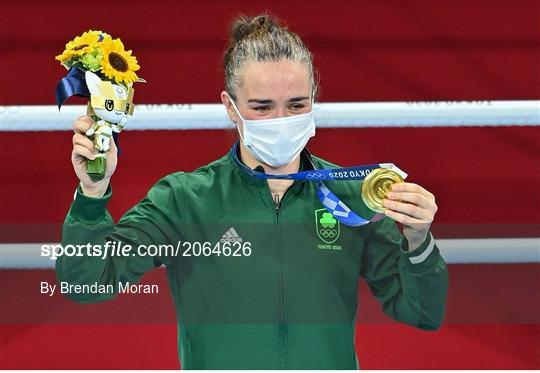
x=277, y=141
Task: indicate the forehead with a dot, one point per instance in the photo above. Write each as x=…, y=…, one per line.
x=275, y=80
x=119, y=91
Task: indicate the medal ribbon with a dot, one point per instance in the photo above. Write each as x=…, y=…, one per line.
x=329, y=200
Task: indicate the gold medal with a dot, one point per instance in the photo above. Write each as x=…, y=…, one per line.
x=376, y=187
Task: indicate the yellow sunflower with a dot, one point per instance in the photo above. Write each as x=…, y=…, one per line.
x=80, y=45
x=117, y=63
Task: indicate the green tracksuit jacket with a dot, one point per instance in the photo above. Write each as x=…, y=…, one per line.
x=284, y=293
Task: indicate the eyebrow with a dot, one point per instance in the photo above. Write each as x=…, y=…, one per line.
x=267, y=101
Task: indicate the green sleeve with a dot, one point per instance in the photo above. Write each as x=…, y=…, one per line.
x=411, y=286
x=88, y=221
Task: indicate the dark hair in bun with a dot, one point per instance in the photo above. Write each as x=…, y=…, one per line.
x=261, y=38
x=244, y=26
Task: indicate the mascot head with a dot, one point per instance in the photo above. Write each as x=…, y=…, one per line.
x=110, y=102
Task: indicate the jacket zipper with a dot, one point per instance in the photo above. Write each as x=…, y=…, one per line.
x=282, y=332
x=282, y=327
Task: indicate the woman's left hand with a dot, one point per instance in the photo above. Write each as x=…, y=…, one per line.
x=414, y=207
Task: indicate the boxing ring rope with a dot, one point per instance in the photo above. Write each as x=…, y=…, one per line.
x=329, y=115
x=333, y=115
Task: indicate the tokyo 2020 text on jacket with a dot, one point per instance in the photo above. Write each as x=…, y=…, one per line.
x=258, y=285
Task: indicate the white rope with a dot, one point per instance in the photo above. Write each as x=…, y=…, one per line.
x=343, y=114
x=491, y=250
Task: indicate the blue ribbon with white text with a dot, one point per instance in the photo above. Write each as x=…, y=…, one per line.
x=329, y=200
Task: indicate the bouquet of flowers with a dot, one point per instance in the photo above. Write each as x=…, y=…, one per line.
x=100, y=68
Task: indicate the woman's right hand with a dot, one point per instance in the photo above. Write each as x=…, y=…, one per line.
x=83, y=149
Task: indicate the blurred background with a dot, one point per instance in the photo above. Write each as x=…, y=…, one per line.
x=486, y=179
